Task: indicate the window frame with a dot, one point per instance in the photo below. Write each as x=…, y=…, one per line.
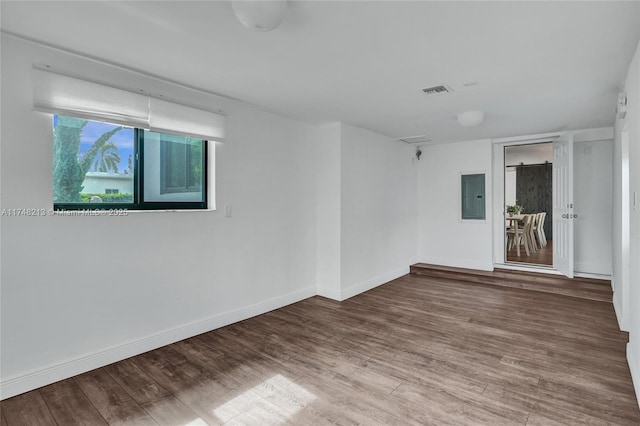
x=138, y=203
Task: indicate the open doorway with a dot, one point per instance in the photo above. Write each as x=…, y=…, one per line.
x=528, y=186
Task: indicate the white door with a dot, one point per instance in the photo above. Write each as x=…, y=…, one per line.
x=592, y=206
x=563, y=204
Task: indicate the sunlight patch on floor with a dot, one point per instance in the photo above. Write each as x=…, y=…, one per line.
x=197, y=422
x=274, y=400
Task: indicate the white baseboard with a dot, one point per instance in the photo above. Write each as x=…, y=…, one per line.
x=622, y=322
x=329, y=293
x=593, y=275
x=41, y=377
x=633, y=358
x=603, y=269
x=356, y=289
x=459, y=263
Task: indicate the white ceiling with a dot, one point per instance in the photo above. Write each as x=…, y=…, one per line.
x=540, y=67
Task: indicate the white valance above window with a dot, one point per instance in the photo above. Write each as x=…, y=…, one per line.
x=60, y=94
x=168, y=117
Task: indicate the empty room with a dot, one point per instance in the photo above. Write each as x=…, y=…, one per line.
x=319, y=212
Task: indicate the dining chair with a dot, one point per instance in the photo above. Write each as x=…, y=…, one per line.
x=534, y=229
x=538, y=229
x=521, y=236
x=530, y=238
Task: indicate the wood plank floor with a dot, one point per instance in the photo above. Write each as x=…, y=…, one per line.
x=417, y=350
x=543, y=256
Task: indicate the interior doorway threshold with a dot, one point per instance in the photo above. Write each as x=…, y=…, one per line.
x=543, y=280
x=529, y=267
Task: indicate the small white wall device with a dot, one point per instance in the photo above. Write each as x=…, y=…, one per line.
x=621, y=109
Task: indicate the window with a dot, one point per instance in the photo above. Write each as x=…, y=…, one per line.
x=472, y=196
x=98, y=165
x=180, y=166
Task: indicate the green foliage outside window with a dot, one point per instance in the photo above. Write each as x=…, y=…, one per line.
x=69, y=166
x=108, y=198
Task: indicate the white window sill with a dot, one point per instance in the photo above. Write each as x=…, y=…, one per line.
x=120, y=212
x=172, y=211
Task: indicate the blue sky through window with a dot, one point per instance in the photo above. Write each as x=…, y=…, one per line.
x=123, y=140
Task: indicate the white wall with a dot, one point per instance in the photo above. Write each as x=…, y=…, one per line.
x=379, y=209
x=444, y=239
x=366, y=209
x=80, y=292
x=592, y=200
x=620, y=224
x=327, y=158
x=626, y=225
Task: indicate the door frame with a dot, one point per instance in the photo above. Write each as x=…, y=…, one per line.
x=498, y=188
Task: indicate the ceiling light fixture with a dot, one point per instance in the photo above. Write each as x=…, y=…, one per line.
x=470, y=118
x=263, y=15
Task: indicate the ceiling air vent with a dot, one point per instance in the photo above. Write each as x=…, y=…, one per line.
x=415, y=139
x=437, y=90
